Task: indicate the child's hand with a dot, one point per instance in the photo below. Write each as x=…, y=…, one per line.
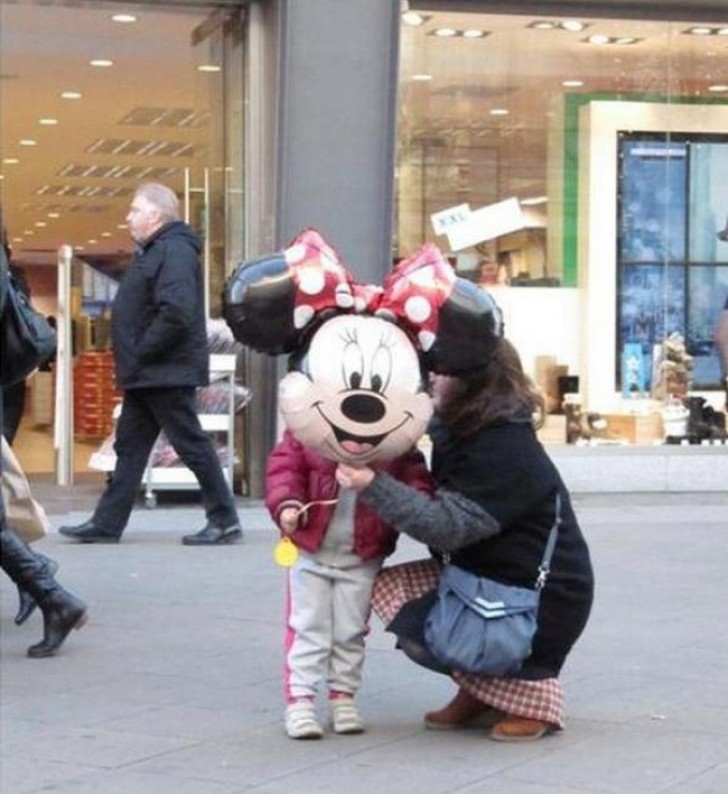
x=288, y=519
x=352, y=477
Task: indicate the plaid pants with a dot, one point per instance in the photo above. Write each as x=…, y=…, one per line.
x=537, y=700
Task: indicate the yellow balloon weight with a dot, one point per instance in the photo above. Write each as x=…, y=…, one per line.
x=285, y=553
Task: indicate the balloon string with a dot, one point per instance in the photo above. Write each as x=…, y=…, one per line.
x=306, y=507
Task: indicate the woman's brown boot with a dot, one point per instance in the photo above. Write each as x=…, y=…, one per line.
x=462, y=712
x=520, y=729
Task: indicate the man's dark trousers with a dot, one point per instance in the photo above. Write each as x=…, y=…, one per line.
x=144, y=413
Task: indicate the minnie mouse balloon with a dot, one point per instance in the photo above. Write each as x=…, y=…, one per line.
x=269, y=302
x=456, y=323
x=358, y=394
x=356, y=391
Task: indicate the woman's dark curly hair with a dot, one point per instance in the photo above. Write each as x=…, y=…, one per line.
x=497, y=392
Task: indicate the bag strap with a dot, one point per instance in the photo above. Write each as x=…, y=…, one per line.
x=545, y=567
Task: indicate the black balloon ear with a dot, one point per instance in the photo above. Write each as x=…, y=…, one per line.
x=470, y=324
x=258, y=305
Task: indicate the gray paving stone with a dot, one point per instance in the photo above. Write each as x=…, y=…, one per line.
x=175, y=684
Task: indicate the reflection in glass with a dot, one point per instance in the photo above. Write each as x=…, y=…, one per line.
x=708, y=201
x=651, y=301
x=652, y=209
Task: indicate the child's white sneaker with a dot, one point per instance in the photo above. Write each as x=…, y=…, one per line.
x=345, y=716
x=301, y=722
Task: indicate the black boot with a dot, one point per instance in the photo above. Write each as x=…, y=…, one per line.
x=26, y=602
x=61, y=610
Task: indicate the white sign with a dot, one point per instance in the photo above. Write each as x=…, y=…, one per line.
x=486, y=223
x=445, y=219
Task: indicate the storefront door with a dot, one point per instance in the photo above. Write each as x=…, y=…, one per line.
x=95, y=98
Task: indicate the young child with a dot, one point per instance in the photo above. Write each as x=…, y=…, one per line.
x=355, y=393
x=341, y=546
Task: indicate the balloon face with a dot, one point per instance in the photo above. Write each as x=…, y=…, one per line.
x=358, y=396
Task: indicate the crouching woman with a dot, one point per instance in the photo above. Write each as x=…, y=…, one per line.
x=491, y=513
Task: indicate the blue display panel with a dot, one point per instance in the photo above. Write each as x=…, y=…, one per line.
x=652, y=201
x=651, y=300
x=707, y=292
x=708, y=202
x=672, y=267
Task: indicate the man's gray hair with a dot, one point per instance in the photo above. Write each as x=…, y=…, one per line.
x=163, y=198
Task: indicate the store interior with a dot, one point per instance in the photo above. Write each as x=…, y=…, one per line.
x=492, y=109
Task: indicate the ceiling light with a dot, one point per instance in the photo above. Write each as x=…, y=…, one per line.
x=78, y=248
x=27, y=142
x=704, y=30
x=474, y=34
x=625, y=40
x=106, y=234
x=572, y=83
x=92, y=242
x=570, y=25
x=54, y=214
x=499, y=112
x=421, y=78
x=10, y=160
x=530, y=202
x=598, y=38
x=71, y=95
x=445, y=33
x=101, y=62
x=208, y=67
x=124, y=19
x=48, y=122
x=28, y=232
x=40, y=224
x=718, y=88
x=413, y=19
x=122, y=226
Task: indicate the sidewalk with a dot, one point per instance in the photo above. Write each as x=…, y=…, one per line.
x=174, y=686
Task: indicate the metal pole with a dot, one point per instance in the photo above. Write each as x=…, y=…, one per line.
x=187, y=196
x=63, y=422
x=206, y=241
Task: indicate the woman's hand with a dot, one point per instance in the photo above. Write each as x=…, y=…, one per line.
x=353, y=477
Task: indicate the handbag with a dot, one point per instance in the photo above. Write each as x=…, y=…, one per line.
x=23, y=513
x=27, y=339
x=484, y=627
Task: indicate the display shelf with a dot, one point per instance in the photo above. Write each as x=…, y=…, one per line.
x=180, y=478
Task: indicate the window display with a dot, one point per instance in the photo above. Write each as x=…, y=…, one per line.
x=673, y=267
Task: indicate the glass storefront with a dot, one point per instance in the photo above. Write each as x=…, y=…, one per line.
x=95, y=98
x=578, y=169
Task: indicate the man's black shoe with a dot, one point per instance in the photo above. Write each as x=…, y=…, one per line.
x=89, y=532
x=211, y=535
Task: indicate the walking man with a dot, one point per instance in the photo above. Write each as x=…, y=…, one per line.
x=161, y=356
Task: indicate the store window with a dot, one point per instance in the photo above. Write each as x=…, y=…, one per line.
x=519, y=156
x=672, y=258
x=96, y=98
